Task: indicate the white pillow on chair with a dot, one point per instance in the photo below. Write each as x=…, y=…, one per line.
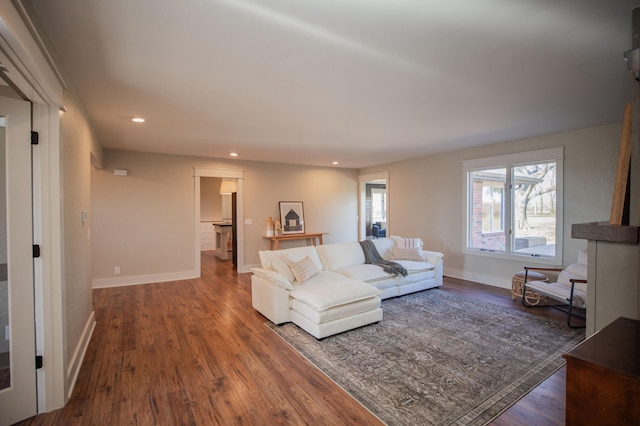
x=578, y=269
x=582, y=257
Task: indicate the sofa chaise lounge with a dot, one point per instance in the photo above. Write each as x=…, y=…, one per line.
x=329, y=289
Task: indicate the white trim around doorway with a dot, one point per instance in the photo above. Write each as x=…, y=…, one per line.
x=238, y=174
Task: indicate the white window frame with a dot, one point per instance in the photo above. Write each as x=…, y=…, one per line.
x=509, y=161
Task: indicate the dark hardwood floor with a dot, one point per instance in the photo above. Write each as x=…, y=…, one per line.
x=195, y=352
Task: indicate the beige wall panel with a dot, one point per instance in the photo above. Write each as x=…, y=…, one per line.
x=427, y=197
x=210, y=199
x=78, y=145
x=144, y=222
x=617, y=293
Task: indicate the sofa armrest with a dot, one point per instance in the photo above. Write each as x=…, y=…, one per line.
x=270, y=300
x=273, y=277
x=432, y=256
x=435, y=258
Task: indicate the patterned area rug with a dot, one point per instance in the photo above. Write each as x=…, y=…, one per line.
x=439, y=359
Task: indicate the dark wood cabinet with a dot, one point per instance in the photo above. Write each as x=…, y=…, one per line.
x=603, y=377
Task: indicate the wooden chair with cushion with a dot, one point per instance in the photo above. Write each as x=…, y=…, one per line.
x=570, y=288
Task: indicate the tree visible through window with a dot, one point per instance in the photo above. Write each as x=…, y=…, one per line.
x=513, y=209
x=535, y=212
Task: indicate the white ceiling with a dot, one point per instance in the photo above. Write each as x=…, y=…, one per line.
x=362, y=82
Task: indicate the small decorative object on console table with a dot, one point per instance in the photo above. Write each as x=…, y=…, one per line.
x=269, y=227
x=517, y=284
x=274, y=243
x=292, y=217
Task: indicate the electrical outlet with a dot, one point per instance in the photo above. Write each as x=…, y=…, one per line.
x=116, y=270
x=7, y=332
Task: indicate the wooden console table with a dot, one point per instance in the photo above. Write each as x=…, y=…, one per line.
x=274, y=242
x=603, y=377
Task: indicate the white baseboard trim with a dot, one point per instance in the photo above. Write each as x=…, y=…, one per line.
x=142, y=279
x=78, y=355
x=503, y=282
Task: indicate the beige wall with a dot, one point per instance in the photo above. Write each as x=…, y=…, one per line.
x=144, y=222
x=78, y=146
x=427, y=194
x=210, y=199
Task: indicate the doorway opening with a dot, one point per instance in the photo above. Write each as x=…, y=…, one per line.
x=374, y=205
x=217, y=217
x=218, y=211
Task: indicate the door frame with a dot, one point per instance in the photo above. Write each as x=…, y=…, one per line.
x=34, y=75
x=237, y=174
x=49, y=270
x=19, y=400
x=362, y=196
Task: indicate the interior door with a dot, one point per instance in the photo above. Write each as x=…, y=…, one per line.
x=18, y=398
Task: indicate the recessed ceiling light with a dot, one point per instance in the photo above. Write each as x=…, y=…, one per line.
x=233, y=154
x=137, y=119
x=335, y=163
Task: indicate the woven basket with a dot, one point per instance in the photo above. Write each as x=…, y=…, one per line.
x=517, y=284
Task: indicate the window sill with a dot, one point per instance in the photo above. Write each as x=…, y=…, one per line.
x=522, y=258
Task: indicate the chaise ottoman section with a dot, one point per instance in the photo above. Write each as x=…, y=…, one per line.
x=337, y=312
x=320, y=331
x=324, y=308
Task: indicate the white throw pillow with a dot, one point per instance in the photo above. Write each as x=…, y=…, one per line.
x=407, y=242
x=582, y=257
x=566, y=276
x=281, y=267
x=579, y=269
x=408, y=253
x=303, y=269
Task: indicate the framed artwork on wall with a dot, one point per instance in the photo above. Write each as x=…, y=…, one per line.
x=292, y=217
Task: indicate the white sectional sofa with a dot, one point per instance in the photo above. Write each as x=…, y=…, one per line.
x=329, y=289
